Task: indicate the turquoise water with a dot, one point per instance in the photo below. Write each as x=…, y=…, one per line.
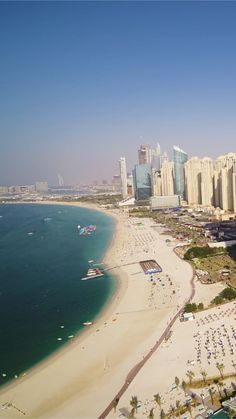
x=40, y=286
x=221, y=415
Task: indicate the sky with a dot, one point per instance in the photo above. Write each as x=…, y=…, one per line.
x=84, y=83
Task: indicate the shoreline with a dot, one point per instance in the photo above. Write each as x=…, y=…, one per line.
x=96, y=364
x=105, y=311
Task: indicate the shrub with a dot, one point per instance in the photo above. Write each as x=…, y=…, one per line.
x=200, y=306
x=228, y=293
x=190, y=307
x=218, y=300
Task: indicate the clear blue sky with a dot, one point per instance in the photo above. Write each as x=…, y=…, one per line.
x=81, y=82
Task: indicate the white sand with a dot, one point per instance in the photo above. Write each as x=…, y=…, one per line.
x=80, y=380
x=211, y=331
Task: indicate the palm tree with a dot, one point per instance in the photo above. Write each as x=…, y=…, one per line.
x=210, y=390
x=194, y=399
x=177, y=381
x=184, y=386
x=221, y=368
x=225, y=391
x=204, y=375
x=172, y=412
x=221, y=385
x=115, y=403
x=178, y=407
x=217, y=383
x=190, y=375
x=157, y=399
x=189, y=408
x=131, y=413
x=151, y=414
x=234, y=365
x=134, y=403
x=162, y=414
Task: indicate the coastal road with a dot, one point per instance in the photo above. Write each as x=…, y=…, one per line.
x=135, y=370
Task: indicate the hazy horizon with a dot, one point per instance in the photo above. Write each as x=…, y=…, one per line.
x=84, y=83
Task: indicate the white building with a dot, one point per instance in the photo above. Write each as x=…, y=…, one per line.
x=167, y=177
x=207, y=191
x=123, y=177
x=192, y=170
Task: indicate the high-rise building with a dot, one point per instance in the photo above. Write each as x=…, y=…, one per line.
x=180, y=157
x=142, y=182
x=156, y=182
x=60, y=180
x=123, y=177
x=217, y=181
x=155, y=157
x=163, y=158
x=144, y=154
x=167, y=178
x=192, y=171
x=116, y=182
x=130, y=185
x=227, y=187
x=207, y=174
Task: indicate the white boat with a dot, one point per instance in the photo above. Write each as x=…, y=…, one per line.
x=92, y=272
x=59, y=338
x=78, y=226
x=87, y=323
x=30, y=233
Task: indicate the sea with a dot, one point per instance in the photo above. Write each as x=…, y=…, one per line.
x=42, y=298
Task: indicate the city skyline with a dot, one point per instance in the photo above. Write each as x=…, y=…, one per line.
x=78, y=92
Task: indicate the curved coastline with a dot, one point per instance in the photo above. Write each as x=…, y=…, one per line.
x=125, y=332
x=106, y=309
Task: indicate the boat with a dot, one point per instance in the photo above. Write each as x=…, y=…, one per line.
x=87, y=230
x=78, y=226
x=30, y=233
x=87, y=323
x=92, y=273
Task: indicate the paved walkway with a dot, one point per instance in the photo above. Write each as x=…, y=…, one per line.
x=135, y=370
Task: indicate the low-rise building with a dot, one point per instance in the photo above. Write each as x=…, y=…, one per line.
x=167, y=201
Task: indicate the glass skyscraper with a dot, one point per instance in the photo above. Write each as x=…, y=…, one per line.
x=142, y=182
x=179, y=157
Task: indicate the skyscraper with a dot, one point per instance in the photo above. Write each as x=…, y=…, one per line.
x=179, y=157
x=144, y=154
x=155, y=157
x=207, y=182
x=167, y=178
x=192, y=169
x=156, y=182
x=123, y=177
x=60, y=180
x=142, y=182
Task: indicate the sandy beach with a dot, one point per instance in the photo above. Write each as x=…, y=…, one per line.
x=81, y=380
